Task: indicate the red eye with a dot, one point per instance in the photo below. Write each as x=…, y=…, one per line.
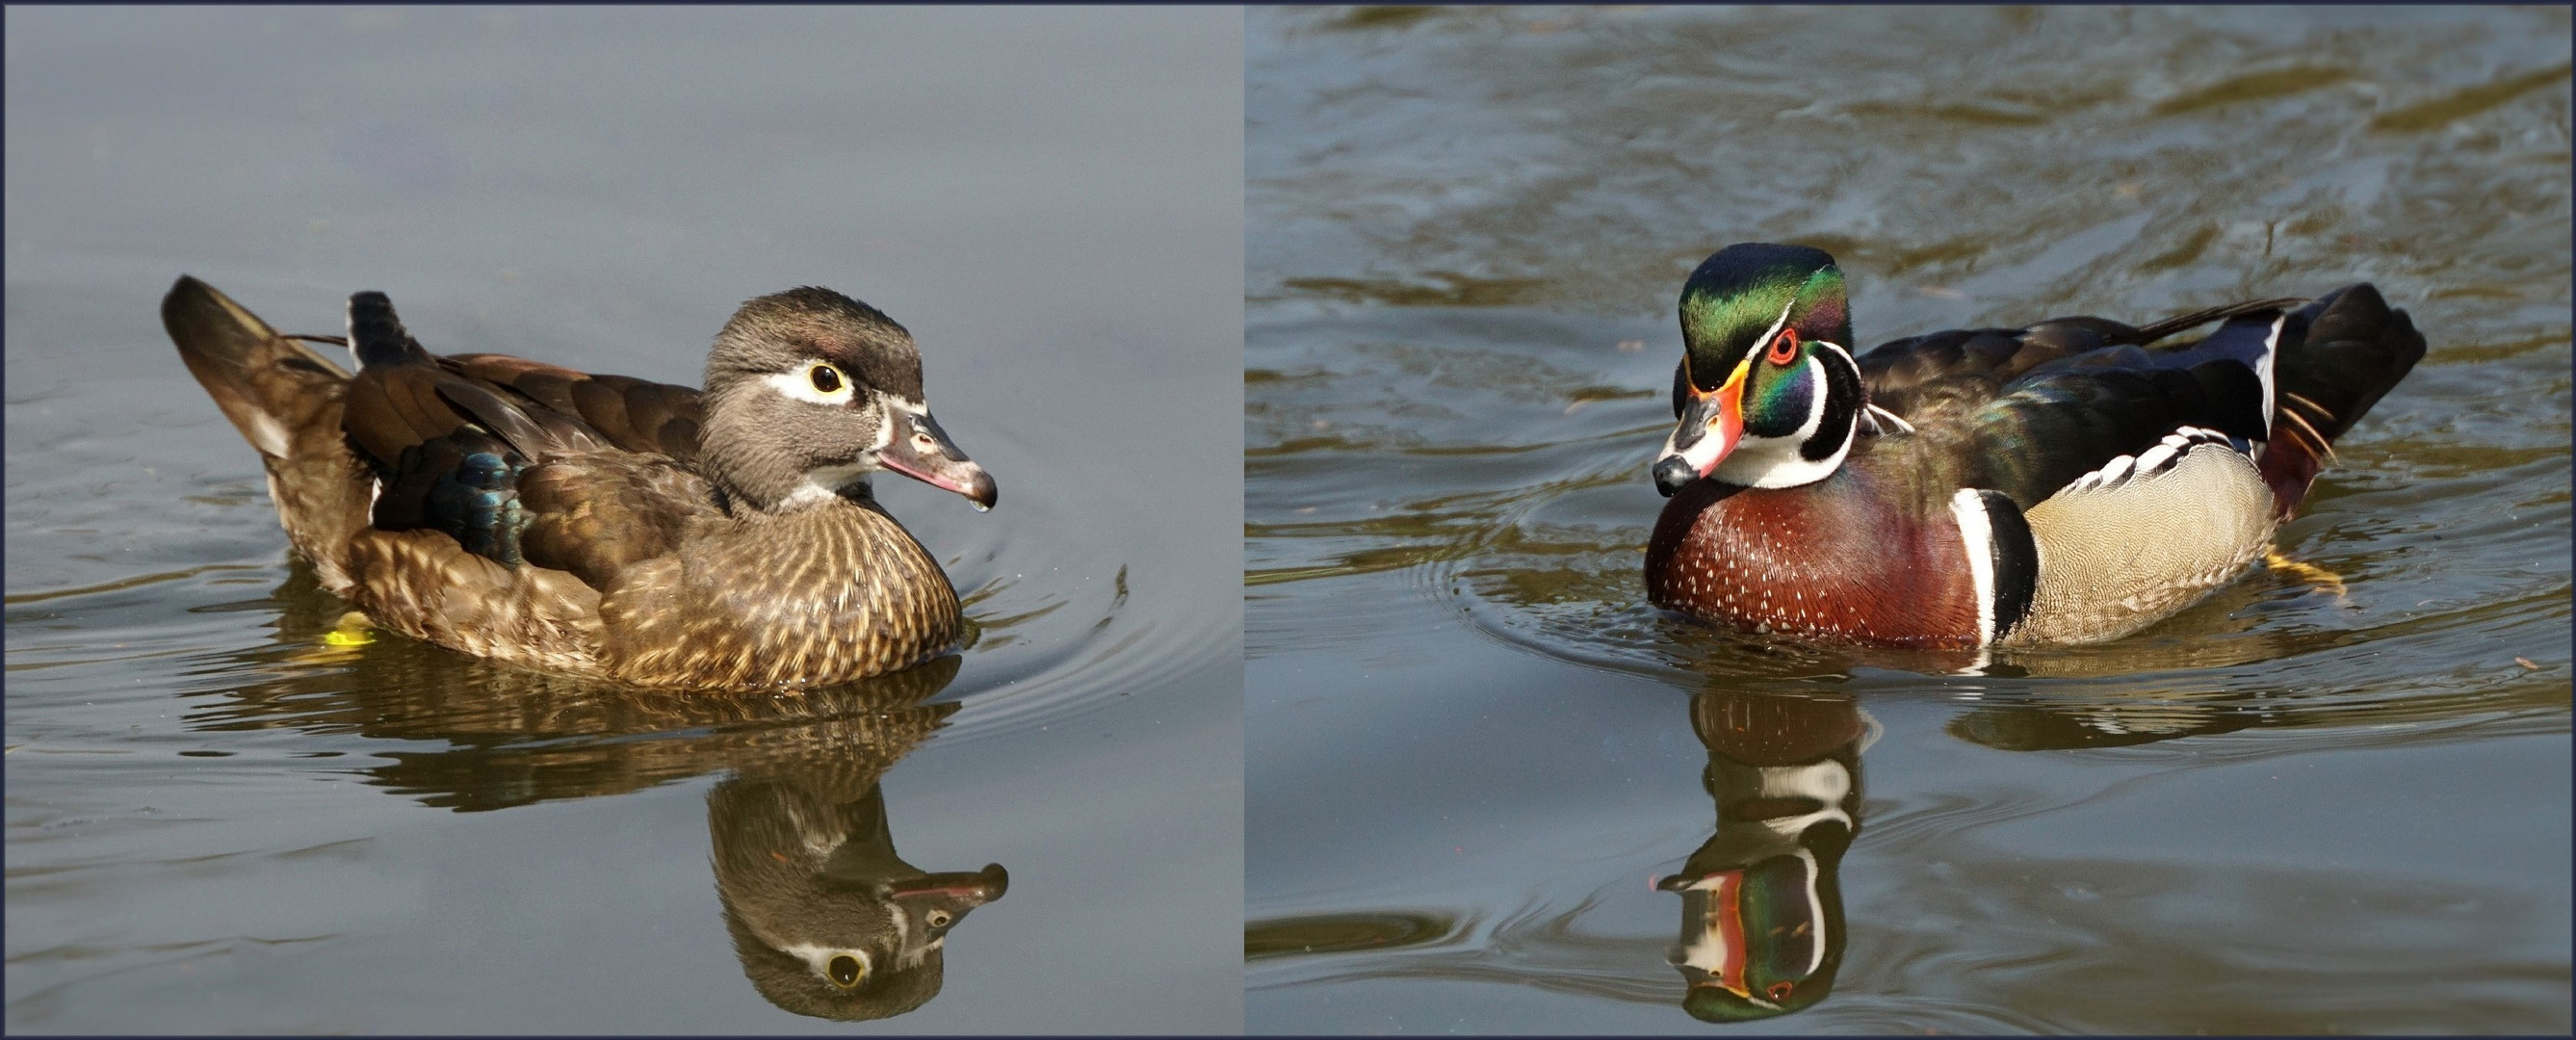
x=1784, y=348
x=1781, y=990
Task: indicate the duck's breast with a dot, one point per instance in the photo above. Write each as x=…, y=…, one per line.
x=1846, y=559
x=821, y=595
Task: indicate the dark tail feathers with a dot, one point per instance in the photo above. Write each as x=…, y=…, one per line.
x=2353, y=349
x=2341, y=353
x=376, y=336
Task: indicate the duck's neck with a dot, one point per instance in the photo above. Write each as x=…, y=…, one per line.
x=1784, y=462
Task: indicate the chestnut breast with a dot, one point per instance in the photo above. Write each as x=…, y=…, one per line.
x=1842, y=559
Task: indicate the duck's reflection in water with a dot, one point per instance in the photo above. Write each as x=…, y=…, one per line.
x=827, y=918
x=829, y=921
x=1762, y=909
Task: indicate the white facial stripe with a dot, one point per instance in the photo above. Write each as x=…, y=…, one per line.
x=799, y=385
x=1815, y=400
x=1764, y=343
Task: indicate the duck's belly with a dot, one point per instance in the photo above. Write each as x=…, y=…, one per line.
x=1826, y=561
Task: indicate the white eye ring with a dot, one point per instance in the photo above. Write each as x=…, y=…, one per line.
x=808, y=384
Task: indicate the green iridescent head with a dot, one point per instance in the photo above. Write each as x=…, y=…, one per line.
x=1761, y=940
x=1766, y=365
x=1734, y=304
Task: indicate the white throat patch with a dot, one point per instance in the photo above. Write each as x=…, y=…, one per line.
x=824, y=483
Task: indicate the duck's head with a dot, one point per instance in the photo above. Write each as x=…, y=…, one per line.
x=1767, y=394
x=1759, y=940
x=808, y=391
x=829, y=921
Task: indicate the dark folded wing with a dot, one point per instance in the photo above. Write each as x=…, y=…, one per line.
x=2036, y=408
x=453, y=442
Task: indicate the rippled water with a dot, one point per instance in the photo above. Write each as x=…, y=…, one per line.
x=221, y=820
x=2333, y=797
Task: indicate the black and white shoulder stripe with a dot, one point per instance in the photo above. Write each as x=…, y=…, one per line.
x=2003, y=560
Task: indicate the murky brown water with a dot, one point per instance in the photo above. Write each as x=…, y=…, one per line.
x=219, y=822
x=2321, y=801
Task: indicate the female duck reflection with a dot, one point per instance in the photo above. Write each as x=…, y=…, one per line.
x=828, y=920
x=1762, y=908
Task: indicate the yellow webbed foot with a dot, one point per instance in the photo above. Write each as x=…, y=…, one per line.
x=2310, y=573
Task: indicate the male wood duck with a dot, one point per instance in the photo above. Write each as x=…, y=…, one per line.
x=599, y=525
x=2069, y=482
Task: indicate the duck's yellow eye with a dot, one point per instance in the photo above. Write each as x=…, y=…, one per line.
x=826, y=378
x=846, y=970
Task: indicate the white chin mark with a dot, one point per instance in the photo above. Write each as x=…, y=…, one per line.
x=824, y=484
x=1774, y=462
x=808, y=493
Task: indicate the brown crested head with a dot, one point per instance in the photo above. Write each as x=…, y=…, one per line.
x=808, y=391
x=811, y=321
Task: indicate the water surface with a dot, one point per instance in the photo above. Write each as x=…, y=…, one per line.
x=1491, y=790
x=220, y=819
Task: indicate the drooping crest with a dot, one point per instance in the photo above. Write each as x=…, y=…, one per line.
x=1738, y=299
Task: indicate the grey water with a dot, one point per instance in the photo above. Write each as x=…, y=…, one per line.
x=221, y=819
x=2332, y=798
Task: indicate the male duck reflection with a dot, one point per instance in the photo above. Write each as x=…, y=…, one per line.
x=2061, y=483
x=601, y=525
x=1762, y=905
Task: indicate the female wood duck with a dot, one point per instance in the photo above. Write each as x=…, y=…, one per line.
x=2061, y=483
x=600, y=525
